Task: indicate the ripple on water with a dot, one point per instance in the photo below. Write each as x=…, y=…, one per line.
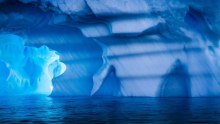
x=109, y=110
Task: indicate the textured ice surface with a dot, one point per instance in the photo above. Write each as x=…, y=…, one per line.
x=26, y=70
x=121, y=47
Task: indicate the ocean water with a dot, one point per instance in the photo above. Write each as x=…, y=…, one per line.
x=119, y=110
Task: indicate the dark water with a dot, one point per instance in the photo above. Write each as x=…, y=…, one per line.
x=41, y=109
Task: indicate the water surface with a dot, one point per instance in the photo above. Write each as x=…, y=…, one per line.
x=123, y=110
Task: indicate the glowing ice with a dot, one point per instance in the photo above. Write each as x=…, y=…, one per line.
x=149, y=48
x=26, y=70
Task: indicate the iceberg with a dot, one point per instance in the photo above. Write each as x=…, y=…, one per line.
x=109, y=47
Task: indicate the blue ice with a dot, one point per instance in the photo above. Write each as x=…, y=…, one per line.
x=114, y=47
x=25, y=69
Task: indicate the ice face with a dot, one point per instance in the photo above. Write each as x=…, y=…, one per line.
x=26, y=70
x=110, y=47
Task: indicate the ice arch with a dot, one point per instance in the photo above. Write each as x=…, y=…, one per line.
x=25, y=69
x=142, y=39
x=111, y=85
x=176, y=82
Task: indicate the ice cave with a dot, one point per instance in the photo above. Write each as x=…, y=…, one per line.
x=110, y=61
x=150, y=48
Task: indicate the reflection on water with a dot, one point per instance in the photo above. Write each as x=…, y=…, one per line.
x=109, y=110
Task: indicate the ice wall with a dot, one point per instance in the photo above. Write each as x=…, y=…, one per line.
x=125, y=47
